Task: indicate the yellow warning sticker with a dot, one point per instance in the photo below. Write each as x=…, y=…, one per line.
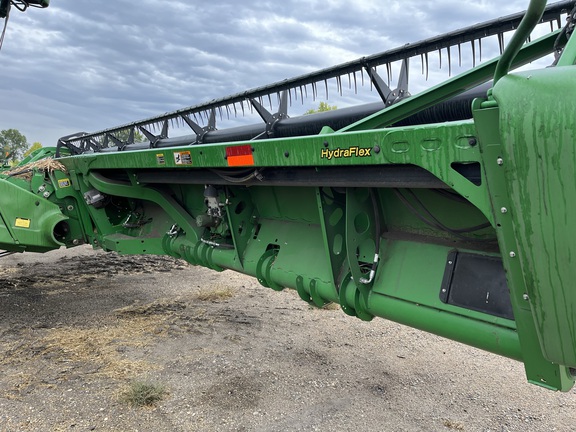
x=64, y=183
x=22, y=223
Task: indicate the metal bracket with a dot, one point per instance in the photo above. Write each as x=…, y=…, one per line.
x=388, y=95
x=155, y=138
x=173, y=231
x=199, y=130
x=272, y=119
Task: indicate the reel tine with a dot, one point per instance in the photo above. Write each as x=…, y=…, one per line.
x=440, y=54
x=459, y=55
x=480, y=48
x=427, y=65
x=473, y=53
x=449, y=61
x=422, y=62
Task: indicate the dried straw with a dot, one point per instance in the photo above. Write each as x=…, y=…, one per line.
x=25, y=171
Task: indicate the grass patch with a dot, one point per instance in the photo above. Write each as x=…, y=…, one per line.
x=215, y=294
x=143, y=394
x=99, y=349
x=102, y=347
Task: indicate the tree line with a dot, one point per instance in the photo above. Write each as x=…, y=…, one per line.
x=15, y=146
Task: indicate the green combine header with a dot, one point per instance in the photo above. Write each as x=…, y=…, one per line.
x=451, y=210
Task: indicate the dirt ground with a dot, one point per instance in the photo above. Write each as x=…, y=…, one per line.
x=78, y=328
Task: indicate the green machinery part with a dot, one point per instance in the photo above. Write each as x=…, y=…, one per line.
x=463, y=229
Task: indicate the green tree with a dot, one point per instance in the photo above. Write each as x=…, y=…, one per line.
x=32, y=148
x=13, y=144
x=322, y=106
x=124, y=134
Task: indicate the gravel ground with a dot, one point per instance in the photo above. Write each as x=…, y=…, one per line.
x=78, y=328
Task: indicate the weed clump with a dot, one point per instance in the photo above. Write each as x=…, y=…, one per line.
x=143, y=394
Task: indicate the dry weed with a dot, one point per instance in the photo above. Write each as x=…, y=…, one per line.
x=215, y=294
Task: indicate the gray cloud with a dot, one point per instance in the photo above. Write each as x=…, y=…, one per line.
x=84, y=66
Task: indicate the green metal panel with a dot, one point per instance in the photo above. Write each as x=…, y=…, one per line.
x=539, y=149
x=539, y=370
x=28, y=221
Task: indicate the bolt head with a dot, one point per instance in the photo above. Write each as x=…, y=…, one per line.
x=46, y=194
x=500, y=161
x=512, y=254
x=525, y=297
x=504, y=210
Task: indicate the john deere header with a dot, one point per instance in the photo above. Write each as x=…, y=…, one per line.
x=450, y=210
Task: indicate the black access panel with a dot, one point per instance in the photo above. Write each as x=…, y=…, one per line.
x=476, y=282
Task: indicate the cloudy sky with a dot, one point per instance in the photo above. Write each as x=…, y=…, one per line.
x=86, y=66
